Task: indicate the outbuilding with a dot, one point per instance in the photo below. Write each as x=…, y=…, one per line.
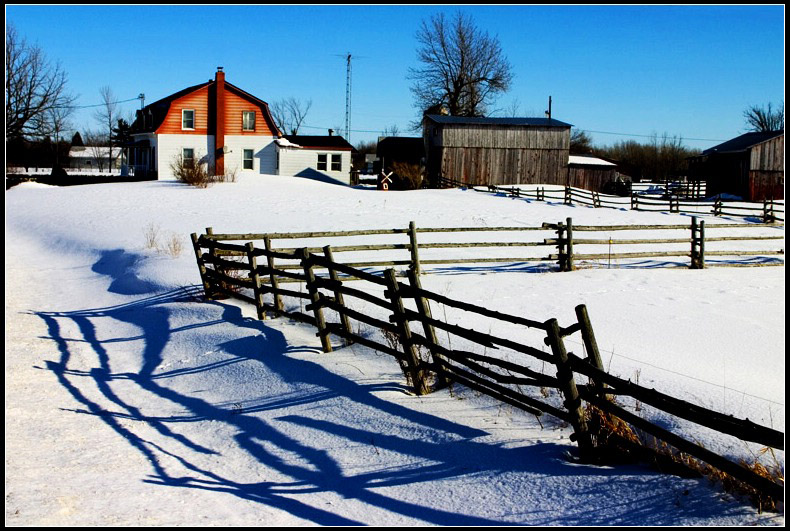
x=750, y=166
x=496, y=151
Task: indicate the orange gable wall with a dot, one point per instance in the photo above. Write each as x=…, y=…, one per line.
x=234, y=105
x=199, y=101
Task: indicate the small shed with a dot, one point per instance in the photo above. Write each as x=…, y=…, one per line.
x=496, y=151
x=324, y=158
x=750, y=166
x=591, y=173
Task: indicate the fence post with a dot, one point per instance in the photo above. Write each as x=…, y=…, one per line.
x=315, y=299
x=697, y=244
x=567, y=385
x=413, y=247
x=278, y=301
x=590, y=344
x=256, y=281
x=338, y=296
x=717, y=206
x=634, y=201
x=569, y=246
x=568, y=196
x=424, y=309
x=702, y=244
x=768, y=210
x=541, y=194
x=415, y=372
x=201, y=266
x=562, y=257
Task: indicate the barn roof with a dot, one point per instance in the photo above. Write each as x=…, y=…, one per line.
x=469, y=120
x=743, y=142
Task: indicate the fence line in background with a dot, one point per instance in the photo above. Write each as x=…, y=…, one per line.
x=672, y=200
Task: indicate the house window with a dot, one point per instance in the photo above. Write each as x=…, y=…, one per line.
x=248, y=120
x=188, y=157
x=336, y=165
x=247, y=159
x=322, y=161
x=188, y=119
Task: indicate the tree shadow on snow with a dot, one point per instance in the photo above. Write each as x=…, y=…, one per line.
x=439, y=450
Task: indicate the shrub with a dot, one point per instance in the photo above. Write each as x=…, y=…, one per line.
x=406, y=176
x=192, y=172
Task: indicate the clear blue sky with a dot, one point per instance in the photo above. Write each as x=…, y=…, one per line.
x=686, y=71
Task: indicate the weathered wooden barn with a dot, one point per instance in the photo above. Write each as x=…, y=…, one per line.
x=750, y=166
x=497, y=151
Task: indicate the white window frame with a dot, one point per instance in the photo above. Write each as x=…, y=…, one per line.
x=244, y=159
x=183, y=126
x=336, y=159
x=244, y=115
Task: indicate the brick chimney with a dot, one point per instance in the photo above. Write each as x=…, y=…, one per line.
x=219, y=135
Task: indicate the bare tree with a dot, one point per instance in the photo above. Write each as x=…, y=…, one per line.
x=463, y=69
x=581, y=143
x=33, y=87
x=289, y=114
x=108, y=115
x=59, y=120
x=765, y=118
x=95, y=144
x=392, y=130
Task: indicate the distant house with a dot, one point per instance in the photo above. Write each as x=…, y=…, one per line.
x=497, y=151
x=750, y=166
x=95, y=158
x=215, y=123
x=325, y=158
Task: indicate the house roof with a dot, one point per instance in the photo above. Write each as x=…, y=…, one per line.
x=159, y=109
x=743, y=142
x=469, y=120
x=333, y=142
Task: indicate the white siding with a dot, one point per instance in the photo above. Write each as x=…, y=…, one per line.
x=169, y=147
x=304, y=163
x=264, y=154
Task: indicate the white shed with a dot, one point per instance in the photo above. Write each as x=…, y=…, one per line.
x=325, y=158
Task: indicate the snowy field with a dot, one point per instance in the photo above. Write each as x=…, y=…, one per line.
x=132, y=401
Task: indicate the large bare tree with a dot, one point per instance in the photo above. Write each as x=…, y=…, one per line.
x=463, y=69
x=34, y=87
x=289, y=114
x=765, y=118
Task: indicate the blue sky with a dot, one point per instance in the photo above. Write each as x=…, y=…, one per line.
x=687, y=71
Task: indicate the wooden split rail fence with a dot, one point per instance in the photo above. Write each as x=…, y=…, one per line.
x=769, y=211
x=509, y=369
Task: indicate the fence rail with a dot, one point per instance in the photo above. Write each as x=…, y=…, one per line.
x=509, y=369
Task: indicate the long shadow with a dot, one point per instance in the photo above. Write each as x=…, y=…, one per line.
x=443, y=450
x=319, y=473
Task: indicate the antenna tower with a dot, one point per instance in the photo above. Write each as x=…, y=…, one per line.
x=348, y=97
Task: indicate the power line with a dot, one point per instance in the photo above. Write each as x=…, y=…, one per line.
x=96, y=105
x=652, y=136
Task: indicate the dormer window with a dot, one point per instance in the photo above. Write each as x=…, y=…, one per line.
x=248, y=120
x=188, y=119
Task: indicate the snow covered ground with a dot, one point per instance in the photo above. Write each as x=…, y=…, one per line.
x=132, y=401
